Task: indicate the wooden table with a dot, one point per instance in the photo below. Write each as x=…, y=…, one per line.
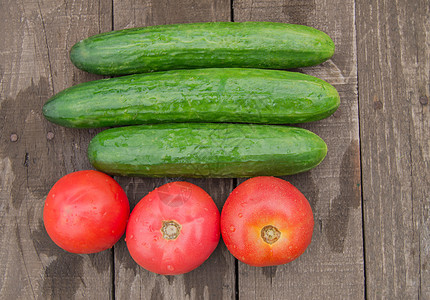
x=370, y=196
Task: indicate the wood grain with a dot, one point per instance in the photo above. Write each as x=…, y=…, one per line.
x=332, y=266
x=393, y=59
x=34, y=154
x=216, y=277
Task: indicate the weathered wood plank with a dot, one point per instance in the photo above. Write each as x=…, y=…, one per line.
x=216, y=277
x=332, y=267
x=34, y=64
x=393, y=59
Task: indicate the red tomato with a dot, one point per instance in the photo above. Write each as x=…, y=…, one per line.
x=173, y=229
x=86, y=212
x=266, y=221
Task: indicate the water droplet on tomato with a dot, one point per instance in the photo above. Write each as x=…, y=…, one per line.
x=170, y=268
x=155, y=238
x=131, y=237
x=232, y=228
x=243, y=204
x=240, y=215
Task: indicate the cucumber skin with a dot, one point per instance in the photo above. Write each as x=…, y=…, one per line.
x=206, y=150
x=202, y=45
x=199, y=95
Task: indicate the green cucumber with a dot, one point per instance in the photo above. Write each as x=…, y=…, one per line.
x=206, y=150
x=202, y=45
x=199, y=95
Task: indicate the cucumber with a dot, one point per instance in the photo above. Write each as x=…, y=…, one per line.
x=202, y=45
x=205, y=150
x=199, y=95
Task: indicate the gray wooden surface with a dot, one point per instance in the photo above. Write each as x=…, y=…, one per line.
x=370, y=196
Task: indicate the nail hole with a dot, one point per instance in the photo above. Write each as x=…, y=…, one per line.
x=13, y=137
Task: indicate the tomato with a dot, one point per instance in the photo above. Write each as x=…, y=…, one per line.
x=86, y=212
x=173, y=229
x=266, y=221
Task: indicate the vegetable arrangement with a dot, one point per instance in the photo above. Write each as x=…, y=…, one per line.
x=185, y=121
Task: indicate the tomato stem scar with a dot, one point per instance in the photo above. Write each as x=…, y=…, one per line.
x=270, y=234
x=170, y=230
